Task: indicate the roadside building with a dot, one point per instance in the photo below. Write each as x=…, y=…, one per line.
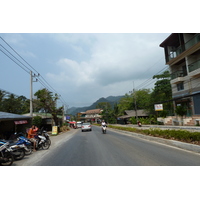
x=93, y=115
x=80, y=116
x=47, y=120
x=11, y=123
x=124, y=119
x=182, y=54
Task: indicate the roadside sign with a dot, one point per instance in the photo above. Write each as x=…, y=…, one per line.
x=54, y=130
x=158, y=107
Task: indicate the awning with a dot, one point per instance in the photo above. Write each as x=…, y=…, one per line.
x=72, y=122
x=21, y=122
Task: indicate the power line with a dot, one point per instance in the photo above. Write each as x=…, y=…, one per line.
x=26, y=68
x=19, y=56
x=14, y=60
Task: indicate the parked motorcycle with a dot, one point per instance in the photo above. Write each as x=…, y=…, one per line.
x=6, y=156
x=18, y=148
x=21, y=140
x=104, y=129
x=42, y=140
x=18, y=151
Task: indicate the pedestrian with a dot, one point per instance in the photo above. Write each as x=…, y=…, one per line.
x=32, y=134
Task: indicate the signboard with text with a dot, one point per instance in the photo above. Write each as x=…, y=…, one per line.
x=54, y=130
x=158, y=107
x=67, y=117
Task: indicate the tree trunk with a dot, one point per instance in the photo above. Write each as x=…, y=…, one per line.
x=55, y=118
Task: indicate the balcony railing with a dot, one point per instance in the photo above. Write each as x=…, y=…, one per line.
x=176, y=52
x=194, y=66
x=180, y=49
x=177, y=74
x=192, y=41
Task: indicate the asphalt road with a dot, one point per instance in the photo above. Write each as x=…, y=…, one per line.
x=76, y=148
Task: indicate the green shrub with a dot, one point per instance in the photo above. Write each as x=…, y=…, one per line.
x=181, y=135
x=37, y=120
x=64, y=128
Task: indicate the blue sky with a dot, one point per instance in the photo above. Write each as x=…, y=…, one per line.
x=82, y=67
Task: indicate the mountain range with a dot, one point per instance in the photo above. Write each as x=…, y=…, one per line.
x=111, y=99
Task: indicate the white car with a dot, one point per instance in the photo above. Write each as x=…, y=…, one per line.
x=78, y=124
x=86, y=127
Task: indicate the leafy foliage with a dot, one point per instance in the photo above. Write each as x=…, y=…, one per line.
x=13, y=104
x=181, y=110
x=47, y=101
x=37, y=120
x=162, y=92
x=109, y=115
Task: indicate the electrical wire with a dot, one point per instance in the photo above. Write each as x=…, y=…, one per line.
x=40, y=78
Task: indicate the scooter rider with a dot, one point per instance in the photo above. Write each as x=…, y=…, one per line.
x=103, y=123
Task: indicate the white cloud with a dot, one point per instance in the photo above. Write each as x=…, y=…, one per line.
x=114, y=61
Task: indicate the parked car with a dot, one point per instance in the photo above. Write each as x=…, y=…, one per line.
x=86, y=127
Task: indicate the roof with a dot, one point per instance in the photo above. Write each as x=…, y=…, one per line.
x=132, y=113
x=10, y=116
x=94, y=111
x=171, y=40
x=43, y=115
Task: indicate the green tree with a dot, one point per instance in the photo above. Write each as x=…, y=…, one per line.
x=24, y=105
x=47, y=101
x=181, y=111
x=162, y=92
x=107, y=109
x=125, y=103
x=2, y=95
x=13, y=104
x=10, y=104
x=103, y=105
x=140, y=97
x=37, y=120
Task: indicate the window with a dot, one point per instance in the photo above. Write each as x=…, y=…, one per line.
x=180, y=86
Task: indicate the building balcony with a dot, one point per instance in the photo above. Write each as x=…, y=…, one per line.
x=193, y=41
x=177, y=77
x=176, y=51
x=194, y=69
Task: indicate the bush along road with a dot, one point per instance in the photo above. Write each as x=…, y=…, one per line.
x=185, y=139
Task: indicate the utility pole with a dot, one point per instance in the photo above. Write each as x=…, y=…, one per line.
x=31, y=91
x=134, y=93
x=31, y=94
x=63, y=113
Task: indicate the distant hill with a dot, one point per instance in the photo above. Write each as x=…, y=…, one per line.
x=111, y=99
